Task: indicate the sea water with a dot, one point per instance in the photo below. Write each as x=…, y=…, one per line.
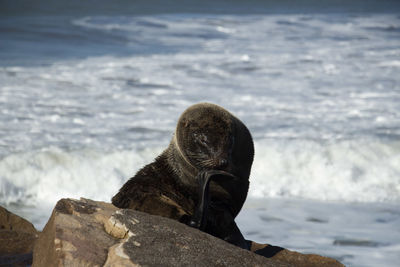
x=90, y=93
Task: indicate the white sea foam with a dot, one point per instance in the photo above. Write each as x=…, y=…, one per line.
x=43, y=177
x=361, y=170
x=347, y=171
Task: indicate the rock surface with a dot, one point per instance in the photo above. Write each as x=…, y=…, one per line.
x=89, y=233
x=17, y=238
x=74, y=235
x=155, y=241
x=293, y=258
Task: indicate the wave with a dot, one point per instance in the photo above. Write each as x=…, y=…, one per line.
x=363, y=170
x=50, y=174
x=346, y=171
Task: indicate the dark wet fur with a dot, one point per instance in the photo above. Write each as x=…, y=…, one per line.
x=146, y=184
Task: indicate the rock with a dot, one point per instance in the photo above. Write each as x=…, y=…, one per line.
x=294, y=258
x=89, y=233
x=74, y=235
x=148, y=240
x=17, y=238
x=10, y=221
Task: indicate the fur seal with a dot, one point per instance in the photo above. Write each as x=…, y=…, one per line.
x=202, y=178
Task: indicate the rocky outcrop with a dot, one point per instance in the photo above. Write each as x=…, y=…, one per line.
x=17, y=238
x=89, y=233
x=291, y=257
x=74, y=235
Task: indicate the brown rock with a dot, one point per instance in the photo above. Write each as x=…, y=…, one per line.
x=14, y=242
x=17, y=238
x=10, y=221
x=74, y=235
x=89, y=233
x=149, y=240
x=292, y=257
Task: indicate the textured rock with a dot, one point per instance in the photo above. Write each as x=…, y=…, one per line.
x=74, y=235
x=10, y=221
x=149, y=240
x=89, y=233
x=292, y=257
x=17, y=238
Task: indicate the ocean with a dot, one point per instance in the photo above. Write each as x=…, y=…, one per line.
x=90, y=92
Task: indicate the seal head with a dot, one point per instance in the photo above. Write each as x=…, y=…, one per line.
x=208, y=137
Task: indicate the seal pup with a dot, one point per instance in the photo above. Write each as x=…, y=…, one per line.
x=201, y=179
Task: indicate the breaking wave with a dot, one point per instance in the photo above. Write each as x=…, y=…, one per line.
x=348, y=171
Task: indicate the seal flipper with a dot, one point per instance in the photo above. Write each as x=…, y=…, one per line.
x=200, y=214
x=221, y=222
x=198, y=220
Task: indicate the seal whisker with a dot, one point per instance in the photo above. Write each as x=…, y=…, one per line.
x=208, y=163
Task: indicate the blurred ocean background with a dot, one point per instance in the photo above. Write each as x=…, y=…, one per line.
x=90, y=91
